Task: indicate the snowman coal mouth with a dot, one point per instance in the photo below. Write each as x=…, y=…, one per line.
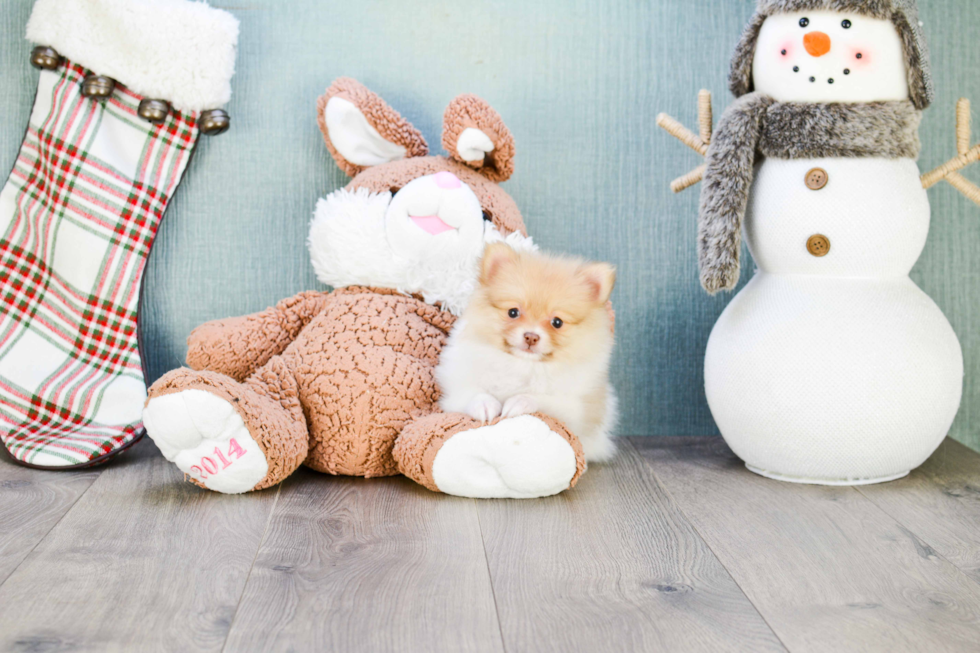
x=830, y=80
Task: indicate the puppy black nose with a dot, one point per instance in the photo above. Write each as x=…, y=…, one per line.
x=531, y=338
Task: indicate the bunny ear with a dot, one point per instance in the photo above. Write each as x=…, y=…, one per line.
x=474, y=134
x=361, y=130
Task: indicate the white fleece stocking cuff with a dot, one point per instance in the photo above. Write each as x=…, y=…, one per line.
x=174, y=50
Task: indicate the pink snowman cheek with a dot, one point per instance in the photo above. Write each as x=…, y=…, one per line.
x=785, y=51
x=859, y=57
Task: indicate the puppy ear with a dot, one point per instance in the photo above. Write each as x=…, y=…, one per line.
x=496, y=256
x=600, y=278
x=361, y=130
x=474, y=134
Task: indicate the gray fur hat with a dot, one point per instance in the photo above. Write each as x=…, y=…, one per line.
x=904, y=13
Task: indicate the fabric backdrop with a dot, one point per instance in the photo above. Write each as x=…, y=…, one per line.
x=579, y=83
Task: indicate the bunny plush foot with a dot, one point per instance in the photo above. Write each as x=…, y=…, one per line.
x=225, y=436
x=508, y=458
x=203, y=435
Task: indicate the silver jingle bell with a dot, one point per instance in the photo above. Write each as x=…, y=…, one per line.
x=45, y=58
x=154, y=111
x=214, y=122
x=98, y=87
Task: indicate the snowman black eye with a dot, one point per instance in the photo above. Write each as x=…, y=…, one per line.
x=514, y=313
x=846, y=24
x=804, y=22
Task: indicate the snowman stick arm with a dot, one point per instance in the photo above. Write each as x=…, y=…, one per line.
x=963, y=126
x=963, y=138
x=965, y=186
x=949, y=171
x=956, y=164
x=682, y=133
x=705, y=116
x=697, y=142
x=690, y=179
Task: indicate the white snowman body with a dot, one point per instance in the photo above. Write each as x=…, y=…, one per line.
x=831, y=366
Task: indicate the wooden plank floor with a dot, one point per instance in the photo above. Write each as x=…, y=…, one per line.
x=673, y=547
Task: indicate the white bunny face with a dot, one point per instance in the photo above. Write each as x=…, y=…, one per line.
x=434, y=216
x=360, y=238
x=826, y=56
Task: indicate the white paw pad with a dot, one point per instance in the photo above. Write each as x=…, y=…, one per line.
x=519, y=458
x=483, y=408
x=519, y=405
x=206, y=438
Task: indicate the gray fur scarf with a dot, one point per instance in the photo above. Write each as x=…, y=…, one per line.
x=758, y=125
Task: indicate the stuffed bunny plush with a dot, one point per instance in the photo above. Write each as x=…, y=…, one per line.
x=343, y=381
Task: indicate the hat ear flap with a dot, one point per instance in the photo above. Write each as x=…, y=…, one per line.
x=361, y=130
x=921, y=90
x=740, y=75
x=474, y=134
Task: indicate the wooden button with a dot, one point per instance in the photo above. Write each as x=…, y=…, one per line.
x=818, y=245
x=817, y=178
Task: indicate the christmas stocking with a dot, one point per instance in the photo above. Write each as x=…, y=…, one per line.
x=126, y=88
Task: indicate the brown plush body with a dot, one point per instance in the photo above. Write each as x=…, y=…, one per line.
x=331, y=380
x=362, y=366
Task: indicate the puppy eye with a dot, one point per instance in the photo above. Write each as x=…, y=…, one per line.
x=846, y=24
x=514, y=313
x=557, y=323
x=486, y=217
x=804, y=22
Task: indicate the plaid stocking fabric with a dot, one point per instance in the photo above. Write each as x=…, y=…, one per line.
x=78, y=216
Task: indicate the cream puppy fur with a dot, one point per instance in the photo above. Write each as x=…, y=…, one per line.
x=537, y=336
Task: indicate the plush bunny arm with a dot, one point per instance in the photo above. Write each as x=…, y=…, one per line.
x=725, y=193
x=238, y=346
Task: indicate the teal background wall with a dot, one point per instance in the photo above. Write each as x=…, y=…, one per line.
x=579, y=83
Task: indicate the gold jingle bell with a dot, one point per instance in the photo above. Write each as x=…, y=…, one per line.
x=45, y=58
x=214, y=122
x=154, y=111
x=98, y=87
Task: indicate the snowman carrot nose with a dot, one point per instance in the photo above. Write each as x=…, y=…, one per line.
x=817, y=43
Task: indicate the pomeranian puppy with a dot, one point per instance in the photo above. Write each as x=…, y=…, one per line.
x=537, y=336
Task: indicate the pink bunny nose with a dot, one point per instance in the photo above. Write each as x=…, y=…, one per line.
x=447, y=180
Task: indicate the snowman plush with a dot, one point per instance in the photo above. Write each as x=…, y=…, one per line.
x=831, y=366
